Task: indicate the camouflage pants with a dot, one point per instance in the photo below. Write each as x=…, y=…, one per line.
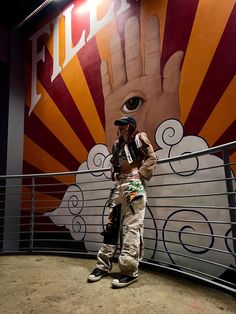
x=131, y=195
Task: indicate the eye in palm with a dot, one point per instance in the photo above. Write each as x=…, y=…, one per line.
x=135, y=86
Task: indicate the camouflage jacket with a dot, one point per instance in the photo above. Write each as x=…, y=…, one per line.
x=138, y=154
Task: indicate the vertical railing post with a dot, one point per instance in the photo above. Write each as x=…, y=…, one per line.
x=32, y=215
x=231, y=195
x=2, y=210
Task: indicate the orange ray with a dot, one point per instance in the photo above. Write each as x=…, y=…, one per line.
x=75, y=81
x=40, y=159
x=203, y=42
x=104, y=35
x=222, y=116
x=76, y=84
x=43, y=204
x=47, y=111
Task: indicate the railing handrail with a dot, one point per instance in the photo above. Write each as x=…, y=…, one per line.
x=185, y=227
x=211, y=150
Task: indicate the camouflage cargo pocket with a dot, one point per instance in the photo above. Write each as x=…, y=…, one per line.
x=137, y=204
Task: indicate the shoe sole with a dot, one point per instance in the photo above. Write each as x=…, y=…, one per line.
x=117, y=284
x=95, y=279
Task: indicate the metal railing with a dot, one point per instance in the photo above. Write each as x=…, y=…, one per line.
x=190, y=222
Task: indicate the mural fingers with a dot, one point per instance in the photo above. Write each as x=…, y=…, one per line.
x=117, y=62
x=171, y=73
x=106, y=82
x=132, y=49
x=152, y=48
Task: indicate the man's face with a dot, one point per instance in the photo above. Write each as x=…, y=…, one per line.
x=123, y=130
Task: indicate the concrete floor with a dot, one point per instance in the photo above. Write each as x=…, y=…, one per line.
x=55, y=284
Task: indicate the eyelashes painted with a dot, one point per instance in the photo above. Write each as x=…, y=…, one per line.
x=132, y=104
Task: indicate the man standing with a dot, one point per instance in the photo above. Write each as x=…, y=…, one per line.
x=133, y=160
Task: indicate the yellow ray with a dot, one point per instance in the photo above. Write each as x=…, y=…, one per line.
x=43, y=202
x=222, y=116
x=49, y=114
x=209, y=24
x=104, y=35
x=149, y=8
x=75, y=81
x=40, y=159
x=76, y=84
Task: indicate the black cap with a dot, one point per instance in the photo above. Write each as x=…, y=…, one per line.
x=126, y=120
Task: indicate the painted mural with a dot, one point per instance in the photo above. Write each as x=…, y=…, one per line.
x=171, y=65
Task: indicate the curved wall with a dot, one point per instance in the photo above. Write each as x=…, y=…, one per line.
x=177, y=58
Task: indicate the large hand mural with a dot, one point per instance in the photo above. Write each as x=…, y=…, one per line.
x=138, y=87
x=81, y=75
x=172, y=65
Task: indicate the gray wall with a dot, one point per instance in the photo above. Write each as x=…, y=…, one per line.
x=4, y=97
x=15, y=134
x=16, y=105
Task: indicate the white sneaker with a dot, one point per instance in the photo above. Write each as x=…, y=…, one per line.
x=96, y=275
x=123, y=281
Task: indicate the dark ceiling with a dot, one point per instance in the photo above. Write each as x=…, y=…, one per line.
x=16, y=11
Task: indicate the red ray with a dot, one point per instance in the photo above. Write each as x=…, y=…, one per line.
x=219, y=75
x=178, y=26
x=42, y=136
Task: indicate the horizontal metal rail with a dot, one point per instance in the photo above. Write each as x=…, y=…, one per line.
x=190, y=222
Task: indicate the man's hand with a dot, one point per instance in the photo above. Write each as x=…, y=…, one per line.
x=136, y=87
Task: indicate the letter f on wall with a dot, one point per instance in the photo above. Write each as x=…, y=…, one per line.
x=36, y=57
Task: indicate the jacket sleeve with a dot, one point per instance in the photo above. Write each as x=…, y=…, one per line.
x=112, y=161
x=114, y=151
x=150, y=158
